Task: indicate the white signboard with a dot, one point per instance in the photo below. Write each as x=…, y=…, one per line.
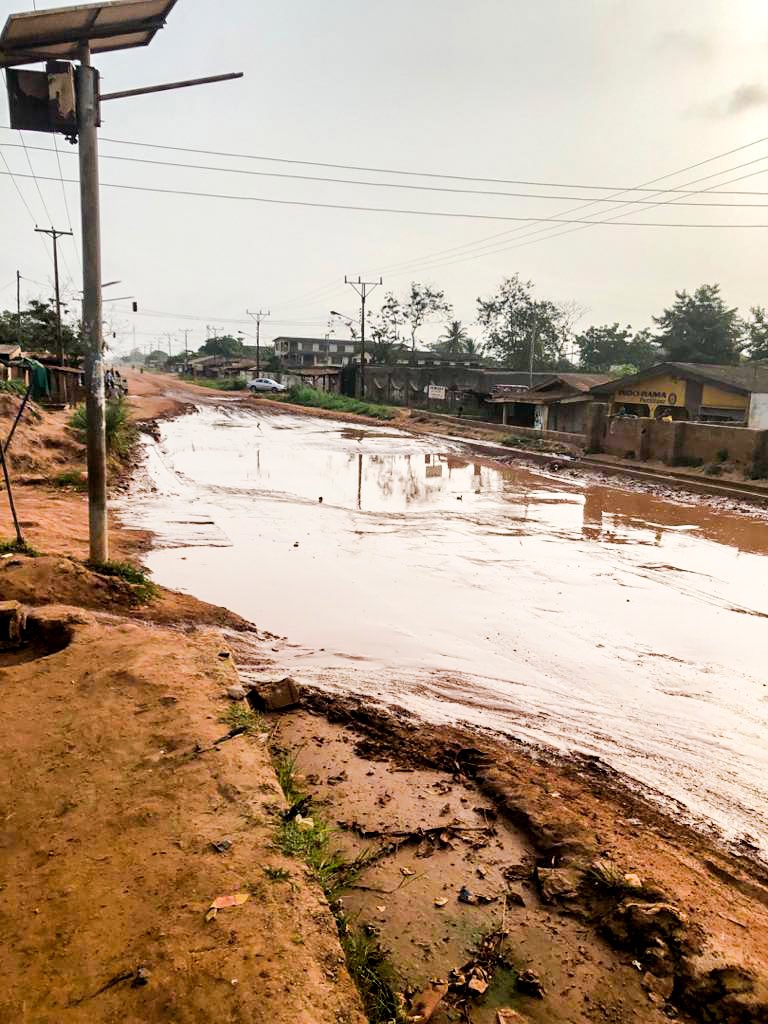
x=436, y=391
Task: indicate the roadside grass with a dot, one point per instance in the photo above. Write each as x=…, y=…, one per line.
x=240, y=716
x=337, y=403
x=121, y=434
x=13, y=387
x=218, y=384
x=367, y=961
x=144, y=588
x=74, y=479
x=8, y=547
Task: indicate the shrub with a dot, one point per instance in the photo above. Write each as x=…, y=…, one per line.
x=338, y=403
x=121, y=433
x=721, y=455
x=144, y=588
x=13, y=387
x=71, y=478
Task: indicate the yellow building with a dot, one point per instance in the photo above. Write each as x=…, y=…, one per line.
x=693, y=391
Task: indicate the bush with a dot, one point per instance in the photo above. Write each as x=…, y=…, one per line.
x=121, y=433
x=218, y=384
x=721, y=455
x=338, y=403
x=145, y=589
x=13, y=387
x=73, y=478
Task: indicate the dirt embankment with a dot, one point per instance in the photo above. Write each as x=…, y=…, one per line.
x=113, y=791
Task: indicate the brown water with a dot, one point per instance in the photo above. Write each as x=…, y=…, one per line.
x=534, y=603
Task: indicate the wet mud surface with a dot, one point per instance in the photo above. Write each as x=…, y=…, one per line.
x=532, y=603
x=446, y=871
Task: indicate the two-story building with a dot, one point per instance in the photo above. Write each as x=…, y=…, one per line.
x=298, y=352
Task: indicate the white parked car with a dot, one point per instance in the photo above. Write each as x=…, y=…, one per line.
x=265, y=384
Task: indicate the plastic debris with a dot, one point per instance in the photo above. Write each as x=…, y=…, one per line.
x=304, y=824
x=222, y=902
x=221, y=845
x=440, y=901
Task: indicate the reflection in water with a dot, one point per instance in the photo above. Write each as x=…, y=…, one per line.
x=559, y=609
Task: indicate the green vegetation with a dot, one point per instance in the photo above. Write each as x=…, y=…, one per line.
x=144, y=588
x=721, y=455
x=8, y=546
x=276, y=874
x=218, y=383
x=121, y=433
x=366, y=960
x=240, y=716
x=71, y=478
x=12, y=387
x=691, y=461
x=338, y=403
x=372, y=973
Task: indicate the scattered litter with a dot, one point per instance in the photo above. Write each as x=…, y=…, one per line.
x=221, y=845
x=425, y=1004
x=465, y=896
x=298, y=808
x=141, y=977
x=440, y=901
x=222, y=902
x=407, y=872
x=381, y=908
x=295, y=543
x=506, y=1016
x=304, y=824
x=225, y=654
x=637, y=965
x=530, y=984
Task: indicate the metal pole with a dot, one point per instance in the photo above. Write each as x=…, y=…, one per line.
x=18, y=306
x=87, y=107
x=258, y=347
x=6, y=476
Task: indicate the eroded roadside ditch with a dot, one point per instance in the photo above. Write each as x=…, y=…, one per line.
x=493, y=878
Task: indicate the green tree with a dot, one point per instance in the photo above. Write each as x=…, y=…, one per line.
x=454, y=341
x=38, y=330
x=157, y=358
x=385, y=344
x=604, y=348
x=512, y=320
x=423, y=302
x=700, y=328
x=600, y=348
x=226, y=346
x=756, y=331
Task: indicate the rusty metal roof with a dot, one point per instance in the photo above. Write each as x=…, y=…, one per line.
x=57, y=34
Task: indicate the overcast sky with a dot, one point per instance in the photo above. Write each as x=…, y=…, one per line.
x=572, y=92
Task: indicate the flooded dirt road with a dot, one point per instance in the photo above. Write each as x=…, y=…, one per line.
x=537, y=604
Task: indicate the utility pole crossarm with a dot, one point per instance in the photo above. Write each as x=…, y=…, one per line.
x=262, y=314
x=363, y=289
x=56, y=235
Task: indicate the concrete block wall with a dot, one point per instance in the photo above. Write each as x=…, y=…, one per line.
x=676, y=442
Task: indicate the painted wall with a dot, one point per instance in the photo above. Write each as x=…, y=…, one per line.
x=716, y=398
x=661, y=390
x=681, y=442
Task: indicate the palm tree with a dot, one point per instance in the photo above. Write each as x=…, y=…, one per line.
x=455, y=341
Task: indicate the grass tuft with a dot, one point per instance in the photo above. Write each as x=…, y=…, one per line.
x=372, y=972
x=13, y=387
x=337, y=403
x=13, y=546
x=144, y=588
x=121, y=434
x=73, y=479
x=240, y=716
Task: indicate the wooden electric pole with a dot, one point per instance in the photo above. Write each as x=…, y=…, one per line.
x=363, y=289
x=258, y=317
x=56, y=235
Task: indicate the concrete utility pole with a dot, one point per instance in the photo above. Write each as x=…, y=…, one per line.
x=258, y=317
x=363, y=289
x=185, y=332
x=58, y=37
x=18, y=306
x=56, y=235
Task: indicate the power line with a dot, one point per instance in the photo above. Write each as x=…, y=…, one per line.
x=416, y=188
x=37, y=183
x=398, y=171
x=484, y=244
x=407, y=212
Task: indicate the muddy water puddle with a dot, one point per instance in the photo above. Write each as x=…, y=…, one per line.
x=525, y=601
x=447, y=838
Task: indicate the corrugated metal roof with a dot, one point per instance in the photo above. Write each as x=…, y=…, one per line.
x=747, y=378
x=57, y=34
